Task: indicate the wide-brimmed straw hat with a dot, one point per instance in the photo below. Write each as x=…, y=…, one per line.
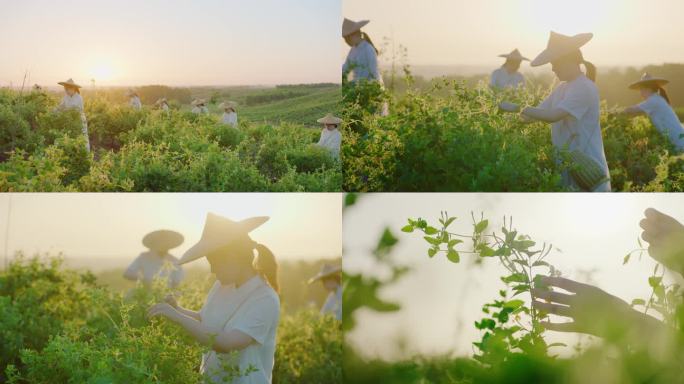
x=515, y=55
x=162, y=239
x=330, y=119
x=220, y=232
x=227, y=104
x=349, y=27
x=647, y=79
x=69, y=83
x=198, y=102
x=559, y=46
x=326, y=270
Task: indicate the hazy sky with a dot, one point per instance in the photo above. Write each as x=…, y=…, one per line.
x=474, y=32
x=441, y=300
x=104, y=226
x=174, y=42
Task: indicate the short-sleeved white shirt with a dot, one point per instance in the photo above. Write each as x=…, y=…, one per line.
x=200, y=110
x=135, y=102
x=581, y=130
x=149, y=265
x=229, y=118
x=333, y=304
x=664, y=119
x=502, y=79
x=332, y=141
x=362, y=60
x=253, y=309
x=72, y=102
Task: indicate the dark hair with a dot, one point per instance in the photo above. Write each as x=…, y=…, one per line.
x=577, y=57
x=364, y=36
x=267, y=266
x=77, y=89
x=659, y=90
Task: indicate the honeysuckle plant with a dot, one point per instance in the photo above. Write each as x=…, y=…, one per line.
x=510, y=325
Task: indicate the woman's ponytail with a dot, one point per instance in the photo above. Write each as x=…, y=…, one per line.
x=663, y=93
x=364, y=36
x=267, y=266
x=591, y=70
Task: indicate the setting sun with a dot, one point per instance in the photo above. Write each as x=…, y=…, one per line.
x=102, y=72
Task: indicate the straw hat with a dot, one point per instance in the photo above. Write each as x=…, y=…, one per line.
x=131, y=92
x=162, y=240
x=162, y=100
x=227, y=104
x=198, y=102
x=349, y=27
x=515, y=55
x=647, y=79
x=326, y=270
x=559, y=46
x=69, y=83
x=330, y=119
x=220, y=232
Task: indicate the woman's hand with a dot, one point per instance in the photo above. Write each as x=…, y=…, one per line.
x=592, y=310
x=665, y=237
x=509, y=107
x=163, y=309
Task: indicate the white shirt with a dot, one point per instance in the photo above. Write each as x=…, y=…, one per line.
x=253, y=309
x=165, y=107
x=501, y=78
x=229, y=118
x=333, y=304
x=200, y=110
x=362, y=60
x=581, y=130
x=72, y=102
x=664, y=119
x=135, y=102
x=331, y=140
x=149, y=265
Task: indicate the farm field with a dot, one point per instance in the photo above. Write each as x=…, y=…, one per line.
x=272, y=149
x=449, y=135
x=66, y=325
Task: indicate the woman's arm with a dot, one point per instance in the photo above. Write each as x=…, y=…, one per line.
x=219, y=340
x=171, y=300
x=633, y=111
x=548, y=115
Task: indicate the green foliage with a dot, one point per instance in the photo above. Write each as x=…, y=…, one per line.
x=61, y=326
x=151, y=151
x=451, y=136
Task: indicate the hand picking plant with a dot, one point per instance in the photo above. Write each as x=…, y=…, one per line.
x=509, y=325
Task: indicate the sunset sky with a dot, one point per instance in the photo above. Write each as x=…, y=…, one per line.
x=442, y=300
x=109, y=227
x=172, y=42
x=466, y=32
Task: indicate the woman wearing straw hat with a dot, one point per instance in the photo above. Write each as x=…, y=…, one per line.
x=573, y=109
x=331, y=138
x=657, y=106
x=330, y=277
x=200, y=107
x=362, y=59
x=157, y=262
x=229, y=114
x=134, y=99
x=508, y=76
x=239, y=319
x=73, y=100
x=163, y=104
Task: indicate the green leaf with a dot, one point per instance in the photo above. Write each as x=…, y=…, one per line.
x=626, y=259
x=449, y=221
x=432, y=252
x=430, y=230
x=540, y=263
x=515, y=278
x=481, y=226
x=453, y=256
x=485, y=251
x=513, y=304
x=432, y=240
x=408, y=228
x=454, y=242
x=654, y=281
x=523, y=245
x=638, y=302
